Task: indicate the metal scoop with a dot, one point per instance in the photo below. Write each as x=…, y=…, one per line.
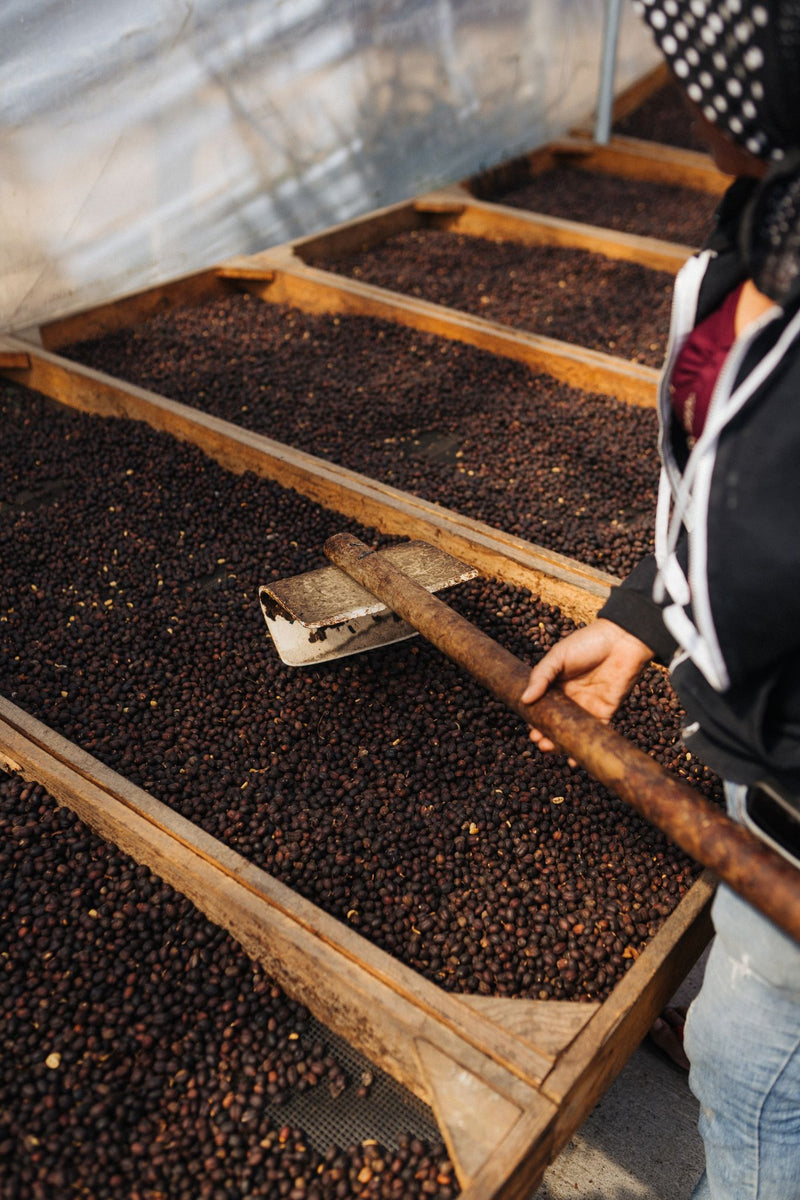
x=325, y=614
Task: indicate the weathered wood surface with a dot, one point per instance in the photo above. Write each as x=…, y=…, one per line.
x=549, y=1024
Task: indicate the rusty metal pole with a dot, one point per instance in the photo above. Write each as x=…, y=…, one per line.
x=756, y=872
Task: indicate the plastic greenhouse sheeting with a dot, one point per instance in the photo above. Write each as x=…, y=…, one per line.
x=141, y=141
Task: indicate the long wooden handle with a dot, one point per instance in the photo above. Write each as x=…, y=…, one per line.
x=745, y=863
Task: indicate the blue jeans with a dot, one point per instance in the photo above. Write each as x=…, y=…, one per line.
x=743, y=1041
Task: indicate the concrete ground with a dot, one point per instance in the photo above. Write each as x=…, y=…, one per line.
x=641, y=1141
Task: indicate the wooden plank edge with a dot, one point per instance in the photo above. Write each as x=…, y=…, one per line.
x=578, y=589
x=14, y=360
x=128, y=311
x=494, y=220
x=636, y=158
x=621, y=1022
x=313, y=290
x=388, y=1006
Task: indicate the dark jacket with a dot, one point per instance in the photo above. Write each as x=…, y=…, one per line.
x=720, y=600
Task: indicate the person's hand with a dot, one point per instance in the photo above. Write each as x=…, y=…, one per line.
x=596, y=666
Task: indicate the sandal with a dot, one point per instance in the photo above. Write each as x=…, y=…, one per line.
x=666, y=1033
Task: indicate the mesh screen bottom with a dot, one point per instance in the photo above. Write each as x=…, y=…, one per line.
x=387, y=1112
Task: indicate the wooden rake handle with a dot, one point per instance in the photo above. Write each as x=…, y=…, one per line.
x=746, y=864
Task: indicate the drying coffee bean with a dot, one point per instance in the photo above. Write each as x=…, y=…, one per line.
x=387, y=788
x=577, y=296
x=573, y=471
x=650, y=209
x=133, y=1054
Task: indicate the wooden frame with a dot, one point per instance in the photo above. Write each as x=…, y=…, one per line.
x=628, y=158
x=283, y=277
x=288, y=275
x=509, y=1081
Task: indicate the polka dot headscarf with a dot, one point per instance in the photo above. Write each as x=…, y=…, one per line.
x=738, y=61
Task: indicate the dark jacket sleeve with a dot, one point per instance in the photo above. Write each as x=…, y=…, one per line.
x=631, y=606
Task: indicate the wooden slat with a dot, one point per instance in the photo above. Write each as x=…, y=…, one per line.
x=601, y=1049
x=549, y=1024
x=636, y=158
x=577, y=589
x=288, y=280
x=498, y=222
x=14, y=360
x=128, y=311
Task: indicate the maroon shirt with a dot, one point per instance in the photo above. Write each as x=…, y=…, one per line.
x=699, y=363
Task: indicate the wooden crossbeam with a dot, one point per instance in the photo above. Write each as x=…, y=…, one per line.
x=282, y=277
x=488, y=219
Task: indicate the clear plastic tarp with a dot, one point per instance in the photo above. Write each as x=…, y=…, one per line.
x=142, y=140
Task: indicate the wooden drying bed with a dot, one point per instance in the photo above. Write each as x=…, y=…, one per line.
x=557, y=579
x=509, y=1080
x=289, y=275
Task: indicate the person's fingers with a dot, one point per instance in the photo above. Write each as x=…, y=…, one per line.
x=543, y=743
x=543, y=675
x=540, y=679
